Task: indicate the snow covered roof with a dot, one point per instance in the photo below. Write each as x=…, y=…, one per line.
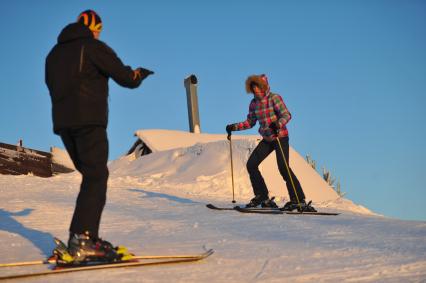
x=160, y=140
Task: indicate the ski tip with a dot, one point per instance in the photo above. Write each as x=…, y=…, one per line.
x=211, y=206
x=57, y=241
x=208, y=253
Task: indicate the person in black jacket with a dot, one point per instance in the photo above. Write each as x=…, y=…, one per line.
x=77, y=72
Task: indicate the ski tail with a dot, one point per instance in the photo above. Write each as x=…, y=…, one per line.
x=311, y=213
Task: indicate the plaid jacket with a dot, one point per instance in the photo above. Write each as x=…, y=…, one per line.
x=269, y=109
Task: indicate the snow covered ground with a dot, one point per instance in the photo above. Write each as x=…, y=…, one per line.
x=156, y=205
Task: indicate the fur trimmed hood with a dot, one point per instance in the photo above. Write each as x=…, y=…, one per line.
x=260, y=80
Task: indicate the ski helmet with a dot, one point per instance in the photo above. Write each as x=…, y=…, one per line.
x=90, y=19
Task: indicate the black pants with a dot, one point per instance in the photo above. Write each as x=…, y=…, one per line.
x=263, y=149
x=88, y=149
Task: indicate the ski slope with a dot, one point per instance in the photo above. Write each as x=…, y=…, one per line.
x=156, y=205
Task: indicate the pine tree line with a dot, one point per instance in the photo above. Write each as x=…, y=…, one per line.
x=326, y=175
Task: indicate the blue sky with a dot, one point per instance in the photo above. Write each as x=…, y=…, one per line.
x=352, y=73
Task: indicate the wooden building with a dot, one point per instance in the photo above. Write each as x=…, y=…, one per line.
x=18, y=160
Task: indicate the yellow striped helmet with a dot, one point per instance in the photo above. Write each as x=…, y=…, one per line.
x=90, y=19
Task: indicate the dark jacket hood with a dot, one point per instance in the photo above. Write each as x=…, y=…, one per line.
x=74, y=31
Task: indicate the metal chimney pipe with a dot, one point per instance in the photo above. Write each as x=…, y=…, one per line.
x=192, y=101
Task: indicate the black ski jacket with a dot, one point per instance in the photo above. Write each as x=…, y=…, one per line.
x=77, y=71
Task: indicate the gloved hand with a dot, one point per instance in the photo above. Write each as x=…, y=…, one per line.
x=142, y=73
x=229, y=129
x=274, y=127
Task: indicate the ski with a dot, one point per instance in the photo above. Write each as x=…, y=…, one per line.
x=119, y=264
x=279, y=211
x=247, y=210
x=259, y=210
x=52, y=260
x=311, y=213
x=237, y=208
x=270, y=211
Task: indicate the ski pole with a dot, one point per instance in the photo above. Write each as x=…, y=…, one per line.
x=232, y=168
x=289, y=173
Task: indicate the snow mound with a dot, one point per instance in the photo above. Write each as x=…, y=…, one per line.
x=60, y=156
x=160, y=140
x=199, y=164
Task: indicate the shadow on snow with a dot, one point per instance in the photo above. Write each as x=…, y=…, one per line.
x=148, y=194
x=41, y=240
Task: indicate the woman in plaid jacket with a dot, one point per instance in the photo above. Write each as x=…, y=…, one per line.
x=272, y=114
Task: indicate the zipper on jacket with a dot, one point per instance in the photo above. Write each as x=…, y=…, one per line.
x=81, y=58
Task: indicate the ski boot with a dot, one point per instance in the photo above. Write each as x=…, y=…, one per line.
x=83, y=249
x=290, y=205
x=256, y=201
x=122, y=253
x=269, y=203
x=306, y=207
x=300, y=207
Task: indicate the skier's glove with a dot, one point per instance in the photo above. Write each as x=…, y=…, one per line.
x=229, y=129
x=142, y=73
x=274, y=127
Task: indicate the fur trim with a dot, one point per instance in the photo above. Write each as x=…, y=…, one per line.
x=258, y=80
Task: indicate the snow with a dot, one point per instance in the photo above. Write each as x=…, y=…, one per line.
x=161, y=140
x=156, y=205
x=186, y=157
x=12, y=154
x=60, y=156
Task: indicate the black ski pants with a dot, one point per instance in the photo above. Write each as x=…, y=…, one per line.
x=88, y=149
x=263, y=149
